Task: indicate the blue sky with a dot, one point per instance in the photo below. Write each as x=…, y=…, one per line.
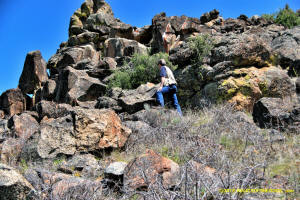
x=28, y=25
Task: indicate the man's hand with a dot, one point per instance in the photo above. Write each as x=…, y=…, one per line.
x=159, y=89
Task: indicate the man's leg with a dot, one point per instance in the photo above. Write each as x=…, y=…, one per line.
x=176, y=104
x=175, y=100
x=160, y=97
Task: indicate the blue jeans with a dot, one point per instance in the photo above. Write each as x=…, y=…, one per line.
x=172, y=89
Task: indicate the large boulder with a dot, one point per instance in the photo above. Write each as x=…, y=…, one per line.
x=85, y=130
x=34, y=73
x=51, y=109
x=76, y=85
x=287, y=50
x=120, y=47
x=108, y=25
x=132, y=101
x=242, y=49
x=275, y=113
x=13, y=186
x=142, y=172
x=13, y=101
x=72, y=55
x=23, y=126
x=245, y=86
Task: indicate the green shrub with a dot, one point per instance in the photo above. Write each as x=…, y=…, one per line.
x=144, y=69
x=201, y=45
x=286, y=17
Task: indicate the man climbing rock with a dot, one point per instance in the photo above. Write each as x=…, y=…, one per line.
x=167, y=85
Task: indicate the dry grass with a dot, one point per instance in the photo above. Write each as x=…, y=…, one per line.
x=243, y=155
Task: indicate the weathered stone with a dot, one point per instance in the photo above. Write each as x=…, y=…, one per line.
x=52, y=110
x=107, y=102
x=86, y=130
x=234, y=25
x=106, y=24
x=105, y=68
x=275, y=113
x=287, y=49
x=132, y=101
x=143, y=35
x=13, y=186
x=168, y=32
x=207, y=17
x=87, y=104
x=57, y=137
x=119, y=47
x=33, y=178
x=13, y=101
x=83, y=38
x=2, y=114
x=181, y=55
x=72, y=55
x=48, y=90
x=84, y=164
x=23, y=126
x=80, y=16
x=3, y=127
x=11, y=149
x=65, y=186
x=150, y=165
x=246, y=85
x=115, y=169
x=77, y=188
x=75, y=85
x=242, y=50
x=114, y=174
x=34, y=73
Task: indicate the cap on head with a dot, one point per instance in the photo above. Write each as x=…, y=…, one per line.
x=161, y=62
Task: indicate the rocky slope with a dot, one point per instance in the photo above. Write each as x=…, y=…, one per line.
x=61, y=137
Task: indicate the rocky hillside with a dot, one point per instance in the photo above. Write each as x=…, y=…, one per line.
x=70, y=135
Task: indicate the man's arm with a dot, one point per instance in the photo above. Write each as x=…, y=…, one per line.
x=161, y=85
